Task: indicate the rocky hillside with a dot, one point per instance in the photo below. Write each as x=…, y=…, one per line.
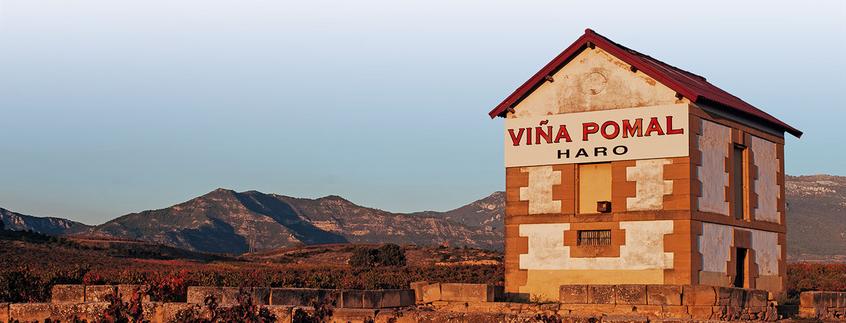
x=225, y=221
x=45, y=225
x=816, y=217
x=487, y=213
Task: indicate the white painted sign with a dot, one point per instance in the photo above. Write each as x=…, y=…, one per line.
x=598, y=136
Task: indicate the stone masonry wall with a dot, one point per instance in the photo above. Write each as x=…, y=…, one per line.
x=823, y=305
x=647, y=302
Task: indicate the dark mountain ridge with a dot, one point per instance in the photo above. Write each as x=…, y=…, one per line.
x=225, y=221
x=46, y=225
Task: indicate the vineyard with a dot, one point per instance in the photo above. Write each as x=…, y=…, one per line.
x=31, y=264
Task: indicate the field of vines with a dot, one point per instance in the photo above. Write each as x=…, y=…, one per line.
x=33, y=284
x=28, y=284
x=28, y=270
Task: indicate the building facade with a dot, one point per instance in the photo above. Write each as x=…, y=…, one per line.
x=622, y=169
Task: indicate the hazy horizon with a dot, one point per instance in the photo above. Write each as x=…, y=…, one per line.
x=111, y=108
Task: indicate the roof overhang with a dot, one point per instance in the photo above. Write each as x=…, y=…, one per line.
x=691, y=86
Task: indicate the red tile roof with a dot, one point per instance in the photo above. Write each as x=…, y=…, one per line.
x=691, y=86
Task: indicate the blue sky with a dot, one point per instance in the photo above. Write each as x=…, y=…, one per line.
x=110, y=107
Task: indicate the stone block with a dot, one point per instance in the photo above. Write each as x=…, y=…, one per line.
x=589, y=309
x=651, y=311
x=223, y=295
x=807, y=312
x=4, y=312
x=260, y=295
x=395, y=317
x=127, y=292
x=64, y=312
x=625, y=319
x=67, y=294
x=418, y=290
x=758, y=298
x=699, y=295
x=353, y=315
x=397, y=298
x=806, y=299
x=630, y=294
x=166, y=312
x=351, y=299
x=303, y=296
x=227, y=295
x=493, y=307
x=371, y=299
x=151, y=311
x=664, y=295
x=739, y=297
x=432, y=293
x=828, y=299
x=675, y=311
x=601, y=294
x=90, y=312
x=454, y=292
x=99, y=293
x=573, y=294
x=700, y=312
x=724, y=295
x=283, y=312
x=451, y=292
x=29, y=312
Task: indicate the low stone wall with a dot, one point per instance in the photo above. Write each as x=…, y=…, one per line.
x=383, y=298
x=647, y=301
x=91, y=293
x=70, y=303
x=669, y=301
x=453, y=292
x=823, y=305
x=476, y=303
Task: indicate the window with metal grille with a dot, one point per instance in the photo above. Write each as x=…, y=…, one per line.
x=594, y=238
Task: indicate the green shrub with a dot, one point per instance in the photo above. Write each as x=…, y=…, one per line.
x=389, y=254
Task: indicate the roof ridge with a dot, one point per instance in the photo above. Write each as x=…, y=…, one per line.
x=635, y=52
x=690, y=85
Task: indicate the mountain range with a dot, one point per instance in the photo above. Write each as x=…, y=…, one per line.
x=225, y=221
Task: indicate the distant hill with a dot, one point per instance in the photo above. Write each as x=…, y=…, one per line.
x=487, y=213
x=225, y=221
x=816, y=217
x=45, y=225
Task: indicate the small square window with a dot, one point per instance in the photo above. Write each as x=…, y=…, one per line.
x=594, y=238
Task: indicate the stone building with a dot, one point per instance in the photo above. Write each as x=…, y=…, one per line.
x=622, y=169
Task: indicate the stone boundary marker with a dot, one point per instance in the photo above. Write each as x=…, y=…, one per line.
x=823, y=305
